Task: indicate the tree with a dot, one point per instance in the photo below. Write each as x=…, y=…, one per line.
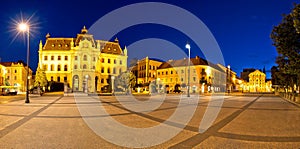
x=296, y=17
x=125, y=80
x=40, y=78
x=286, y=39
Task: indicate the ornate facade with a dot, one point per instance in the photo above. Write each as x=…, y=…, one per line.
x=257, y=83
x=84, y=63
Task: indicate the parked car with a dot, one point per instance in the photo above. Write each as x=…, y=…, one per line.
x=34, y=90
x=7, y=92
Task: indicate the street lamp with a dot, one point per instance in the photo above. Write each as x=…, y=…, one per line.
x=25, y=28
x=188, y=85
x=229, y=79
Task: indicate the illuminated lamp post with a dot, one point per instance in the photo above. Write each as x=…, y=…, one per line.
x=188, y=85
x=25, y=28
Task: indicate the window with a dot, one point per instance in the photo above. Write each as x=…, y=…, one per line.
x=52, y=58
x=75, y=66
x=166, y=72
x=120, y=62
x=45, y=67
x=58, y=67
x=114, y=70
x=15, y=70
x=181, y=79
x=94, y=59
x=107, y=81
x=65, y=79
x=7, y=77
x=85, y=58
x=58, y=79
x=108, y=70
x=66, y=58
x=120, y=70
x=59, y=58
x=171, y=72
x=66, y=68
x=76, y=58
x=108, y=60
x=158, y=73
x=52, y=67
x=93, y=67
x=84, y=66
x=150, y=67
x=182, y=71
x=45, y=58
x=194, y=79
x=102, y=60
x=15, y=77
x=51, y=78
x=102, y=70
x=102, y=80
x=115, y=61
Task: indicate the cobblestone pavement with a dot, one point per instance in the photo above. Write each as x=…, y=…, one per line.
x=243, y=122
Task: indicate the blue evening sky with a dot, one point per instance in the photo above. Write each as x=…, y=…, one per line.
x=242, y=28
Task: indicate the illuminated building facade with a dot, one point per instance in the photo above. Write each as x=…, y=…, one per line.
x=84, y=63
x=14, y=74
x=204, y=76
x=2, y=75
x=145, y=70
x=257, y=82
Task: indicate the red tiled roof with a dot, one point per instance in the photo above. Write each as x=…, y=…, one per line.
x=183, y=62
x=110, y=47
x=58, y=44
x=8, y=64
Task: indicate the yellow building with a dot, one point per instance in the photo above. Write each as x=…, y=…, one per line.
x=204, y=76
x=15, y=74
x=84, y=63
x=257, y=82
x=2, y=75
x=145, y=70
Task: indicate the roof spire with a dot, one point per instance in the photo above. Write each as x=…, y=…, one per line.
x=48, y=35
x=84, y=30
x=116, y=40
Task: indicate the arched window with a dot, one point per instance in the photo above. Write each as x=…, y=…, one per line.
x=85, y=58
x=58, y=67
x=114, y=71
x=52, y=67
x=108, y=70
x=66, y=68
x=84, y=66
